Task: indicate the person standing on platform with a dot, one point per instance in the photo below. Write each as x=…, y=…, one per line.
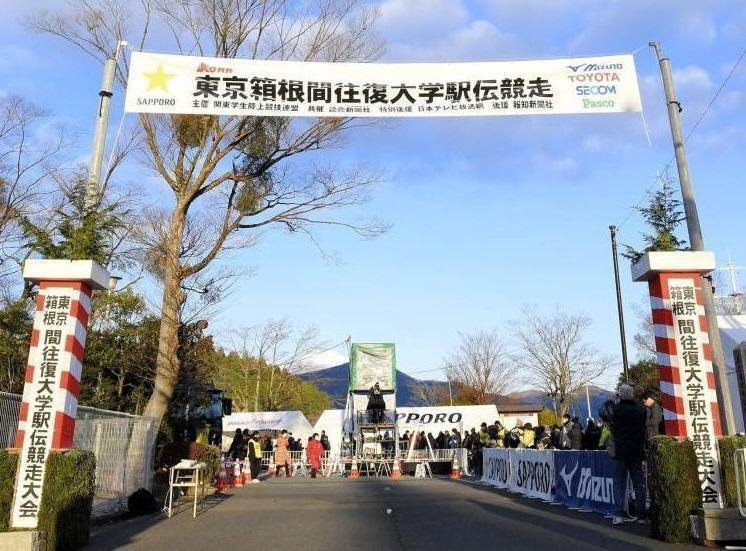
x=325, y=441
x=376, y=404
x=255, y=457
x=282, y=455
x=628, y=428
x=314, y=452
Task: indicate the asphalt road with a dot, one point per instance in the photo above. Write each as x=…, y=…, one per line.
x=337, y=514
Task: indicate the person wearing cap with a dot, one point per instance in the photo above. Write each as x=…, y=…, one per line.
x=628, y=427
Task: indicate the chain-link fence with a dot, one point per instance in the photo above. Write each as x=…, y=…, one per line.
x=124, y=445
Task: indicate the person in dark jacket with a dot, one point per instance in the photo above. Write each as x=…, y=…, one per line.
x=237, y=449
x=591, y=436
x=654, y=422
x=628, y=428
x=575, y=434
x=376, y=404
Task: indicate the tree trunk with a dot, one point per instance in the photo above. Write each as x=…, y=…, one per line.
x=167, y=362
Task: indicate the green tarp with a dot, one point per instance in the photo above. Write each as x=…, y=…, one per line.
x=372, y=363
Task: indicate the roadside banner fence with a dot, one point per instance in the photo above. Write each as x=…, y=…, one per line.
x=577, y=479
x=585, y=480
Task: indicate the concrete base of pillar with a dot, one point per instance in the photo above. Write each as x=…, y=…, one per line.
x=23, y=541
x=717, y=527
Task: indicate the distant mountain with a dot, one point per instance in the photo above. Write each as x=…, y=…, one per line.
x=578, y=408
x=334, y=381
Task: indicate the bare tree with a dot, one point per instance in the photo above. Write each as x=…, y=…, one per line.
x=553, y=357
x=228, y=174
x=270, y=355
x=29, y=156
x=429, y=394
x=644, y=338
x=480, y=367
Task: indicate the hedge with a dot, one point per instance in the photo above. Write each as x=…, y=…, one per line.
x=69, y=489
x=674, y=488
x=728, y=446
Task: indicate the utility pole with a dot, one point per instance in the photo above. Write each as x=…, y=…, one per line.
x=619, y=306
x=102, y=125
x=695, y=238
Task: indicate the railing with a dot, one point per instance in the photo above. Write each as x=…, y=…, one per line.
x=376, y=417
x=123, y=444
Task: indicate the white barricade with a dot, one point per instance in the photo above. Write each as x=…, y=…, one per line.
x=496, y=467
x=532, y=473
x=525, y=471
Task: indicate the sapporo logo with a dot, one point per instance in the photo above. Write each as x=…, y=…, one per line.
x=498, y=468
x=534, y=476
x=158, y=80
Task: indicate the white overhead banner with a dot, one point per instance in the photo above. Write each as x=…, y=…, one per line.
x=161, y=83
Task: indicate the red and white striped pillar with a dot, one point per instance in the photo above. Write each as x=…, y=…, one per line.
x=687, y=381
x=53, y=372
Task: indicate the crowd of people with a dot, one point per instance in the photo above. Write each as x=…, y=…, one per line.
x=248, y=446
x=624, y=429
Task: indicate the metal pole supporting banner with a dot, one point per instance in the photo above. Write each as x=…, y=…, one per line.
x=695, y=238
x=619, y=305
x=102, y=124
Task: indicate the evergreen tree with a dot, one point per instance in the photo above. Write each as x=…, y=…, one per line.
x=663, y=215
x=75, y=232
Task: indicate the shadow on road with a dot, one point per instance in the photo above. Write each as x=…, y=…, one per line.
x=120, y=532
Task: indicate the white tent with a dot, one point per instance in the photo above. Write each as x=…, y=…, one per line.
x=292, y=421
x=331, y=421
x=732, y=334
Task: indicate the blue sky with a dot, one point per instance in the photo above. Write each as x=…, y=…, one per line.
x=487, y=214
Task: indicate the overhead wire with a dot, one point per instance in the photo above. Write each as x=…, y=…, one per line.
x=689, y=134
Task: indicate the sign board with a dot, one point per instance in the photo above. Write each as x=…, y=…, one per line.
x=496, y=467
x=444, y=418
x=161, y=83
x=52, y=368
x=696, y=380
x=524, y=471
x=372, y=363
x=532, y=473
x=585, y=480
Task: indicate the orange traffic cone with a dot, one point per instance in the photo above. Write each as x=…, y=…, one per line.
x=271, y=469
x=353, y=470
x=396, y=470
x=237, y=478
x=455, y=470
x=222, y=482
x=245, y=473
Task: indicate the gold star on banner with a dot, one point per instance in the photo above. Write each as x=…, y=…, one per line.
x=158, y=79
